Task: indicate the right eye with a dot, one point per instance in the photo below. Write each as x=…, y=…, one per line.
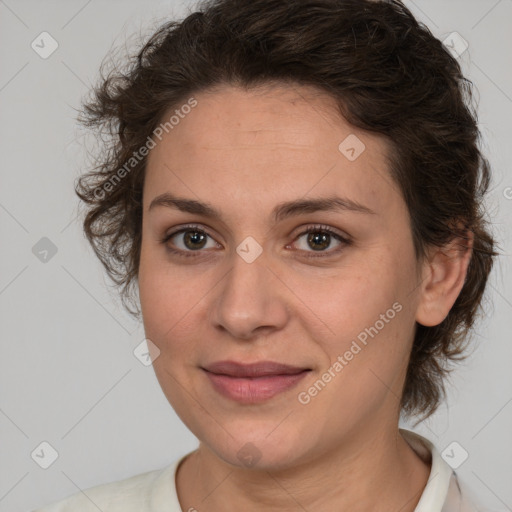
x=189, y=240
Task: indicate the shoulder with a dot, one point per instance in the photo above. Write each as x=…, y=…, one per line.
x=136, y=493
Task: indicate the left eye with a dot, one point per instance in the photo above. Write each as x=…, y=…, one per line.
x=194, y=239
x=320, y=239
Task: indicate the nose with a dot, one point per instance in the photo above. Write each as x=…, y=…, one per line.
x=250, y=300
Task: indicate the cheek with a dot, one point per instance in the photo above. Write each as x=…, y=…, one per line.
x=167, y=303
x=173, y=302
x=160, y=283
x=369, y=321
x=365, y=359
x=161, y=296
x=350, y=298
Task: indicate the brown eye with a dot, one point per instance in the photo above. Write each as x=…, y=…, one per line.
x=194, y=239
x=318, y=239
x=188, y=240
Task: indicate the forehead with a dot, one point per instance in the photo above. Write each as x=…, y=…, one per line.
x=301, y=115
x=282, y=141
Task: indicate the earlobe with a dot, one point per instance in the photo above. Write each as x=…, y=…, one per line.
x=444, y=276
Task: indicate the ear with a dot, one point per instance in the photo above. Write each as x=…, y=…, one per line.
x=444, y=273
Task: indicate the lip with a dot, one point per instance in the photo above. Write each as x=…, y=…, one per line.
x=255, y=382
x=257, y=369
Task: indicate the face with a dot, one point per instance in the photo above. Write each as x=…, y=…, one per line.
x=329, y=287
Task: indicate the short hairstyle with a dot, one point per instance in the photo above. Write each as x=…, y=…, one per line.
x=388, y=74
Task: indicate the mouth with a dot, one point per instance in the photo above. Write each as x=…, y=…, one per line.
x=253, y=370
x=255, y=382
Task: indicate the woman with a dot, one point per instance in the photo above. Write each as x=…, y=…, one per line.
x=295, y=190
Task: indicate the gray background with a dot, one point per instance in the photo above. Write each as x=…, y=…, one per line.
x=68, y=373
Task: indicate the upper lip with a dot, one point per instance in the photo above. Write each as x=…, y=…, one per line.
x=257, y=369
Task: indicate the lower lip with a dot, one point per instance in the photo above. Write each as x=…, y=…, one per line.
x=253, y=390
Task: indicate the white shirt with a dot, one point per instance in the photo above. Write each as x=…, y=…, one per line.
x=155, y=491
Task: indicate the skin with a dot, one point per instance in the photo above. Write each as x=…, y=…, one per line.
x=243, y=152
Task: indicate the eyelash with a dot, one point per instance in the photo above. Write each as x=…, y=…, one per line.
x=314, y=228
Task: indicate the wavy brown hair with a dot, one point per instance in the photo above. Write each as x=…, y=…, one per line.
x=388, y=74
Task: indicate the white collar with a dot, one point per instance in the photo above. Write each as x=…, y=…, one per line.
x=443, y=492
x=436, y=490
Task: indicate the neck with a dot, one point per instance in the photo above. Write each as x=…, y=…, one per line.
x=366, y=473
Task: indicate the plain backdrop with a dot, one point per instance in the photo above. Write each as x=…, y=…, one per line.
x=68, y=374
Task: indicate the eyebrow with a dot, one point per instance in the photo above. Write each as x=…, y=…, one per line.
x=280, y=211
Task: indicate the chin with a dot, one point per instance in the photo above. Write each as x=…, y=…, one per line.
x=258, y=450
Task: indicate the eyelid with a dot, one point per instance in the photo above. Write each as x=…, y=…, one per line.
x=307, y=228
x=186, y=227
